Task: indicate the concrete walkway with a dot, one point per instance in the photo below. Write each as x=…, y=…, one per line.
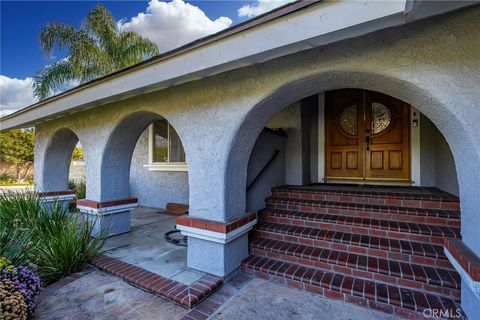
x=261, y=299
x=145, y=246
x=93, y=294
x=97, y=295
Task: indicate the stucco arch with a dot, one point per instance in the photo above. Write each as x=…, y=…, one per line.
x=56, y=160
x=118, y=152
x=450, y=124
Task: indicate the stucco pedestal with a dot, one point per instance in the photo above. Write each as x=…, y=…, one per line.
x=215, y=247
x=56, y=198
x=110, y=217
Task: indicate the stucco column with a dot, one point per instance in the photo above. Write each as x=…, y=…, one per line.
x=217, y=232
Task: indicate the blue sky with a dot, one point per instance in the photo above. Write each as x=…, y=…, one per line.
x=168, y=23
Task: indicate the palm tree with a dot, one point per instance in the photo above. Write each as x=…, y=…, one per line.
x=97, y=49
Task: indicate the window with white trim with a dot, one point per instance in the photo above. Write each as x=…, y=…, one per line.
x=166, y=151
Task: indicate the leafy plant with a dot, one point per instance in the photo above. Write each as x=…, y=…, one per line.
x=61, y=241
x=80, y=188
x=16, y=147
x=98, y=48
x=6, y=180
x=78, y=154
x=15, y=245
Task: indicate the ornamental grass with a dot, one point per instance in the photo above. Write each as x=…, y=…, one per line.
x=57, y=241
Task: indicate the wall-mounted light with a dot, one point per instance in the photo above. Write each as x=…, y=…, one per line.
x=414, y=120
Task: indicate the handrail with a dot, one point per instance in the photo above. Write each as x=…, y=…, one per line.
x=263, y=169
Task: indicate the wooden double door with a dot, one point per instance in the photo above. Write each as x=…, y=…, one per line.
x=367, y=136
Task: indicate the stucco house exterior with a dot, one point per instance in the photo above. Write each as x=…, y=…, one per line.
x=363, y=116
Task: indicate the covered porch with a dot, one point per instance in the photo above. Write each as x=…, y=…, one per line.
x=209, y=138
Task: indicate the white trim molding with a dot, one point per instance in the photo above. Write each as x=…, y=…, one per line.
x=172, y=166
x=64, y=197
x=213, y=236
x=472, y=284
x=107, y=210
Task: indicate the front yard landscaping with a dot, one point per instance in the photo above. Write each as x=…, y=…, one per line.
x=39, y=244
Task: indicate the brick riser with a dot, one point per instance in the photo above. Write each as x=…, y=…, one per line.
x=361, y=226
x=402, y=302
x=378, y=249
x=418, y=278
x=391, y=199
x=439, y=217
x=325, y=243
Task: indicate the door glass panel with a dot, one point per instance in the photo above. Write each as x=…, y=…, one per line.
x=348, y=120
x=381, y=117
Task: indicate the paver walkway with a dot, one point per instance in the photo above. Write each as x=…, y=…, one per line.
x=97, y=295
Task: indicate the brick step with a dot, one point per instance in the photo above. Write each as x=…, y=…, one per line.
x=399, y=250
x=441, y=281
x=379, y=228
x=406, y=197
x=391, y=299
x=394, y=213
x=185, y=295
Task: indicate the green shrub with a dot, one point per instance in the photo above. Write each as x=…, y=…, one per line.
x=16, y=245
x=6, y=180
x=80, y=188
x=60, y=241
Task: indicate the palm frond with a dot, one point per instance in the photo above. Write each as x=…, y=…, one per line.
x=52, y=78
x=56, y=33
x=134, y=48
x=100, y=24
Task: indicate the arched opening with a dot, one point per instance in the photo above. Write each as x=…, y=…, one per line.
x=348, y=222
x=293, y=92
x=144, y=158
x=144, y=168
x=63, y=178
x=57, y=161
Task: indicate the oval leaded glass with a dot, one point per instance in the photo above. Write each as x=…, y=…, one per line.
x=381, y=117
x=348, y=120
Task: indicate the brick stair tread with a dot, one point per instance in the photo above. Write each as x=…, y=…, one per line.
x=404, y=227
x=367, y=241
x=403, y=270
x=369, y=290
x=423, y=212
x=411, y=193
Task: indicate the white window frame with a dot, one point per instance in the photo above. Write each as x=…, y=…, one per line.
x=162, y=166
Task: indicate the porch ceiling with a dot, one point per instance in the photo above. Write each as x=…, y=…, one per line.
x=292, y=28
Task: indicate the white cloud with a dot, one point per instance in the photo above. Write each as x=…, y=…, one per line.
x=261, y=6
x=172, y=24
x=15, y=94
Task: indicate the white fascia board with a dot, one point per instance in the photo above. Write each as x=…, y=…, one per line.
x=323, y=23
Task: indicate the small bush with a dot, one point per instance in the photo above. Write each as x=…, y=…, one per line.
x=16, y=245
x=13, y=304
x=6, y=180
x=26, y=279
x=80, y=188
x=60, y=242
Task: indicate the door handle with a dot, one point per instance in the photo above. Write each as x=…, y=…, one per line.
x=367, y=140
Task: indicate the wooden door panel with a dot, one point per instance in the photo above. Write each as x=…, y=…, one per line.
x=348, y=155
x=392, y=141
x=344, y=155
